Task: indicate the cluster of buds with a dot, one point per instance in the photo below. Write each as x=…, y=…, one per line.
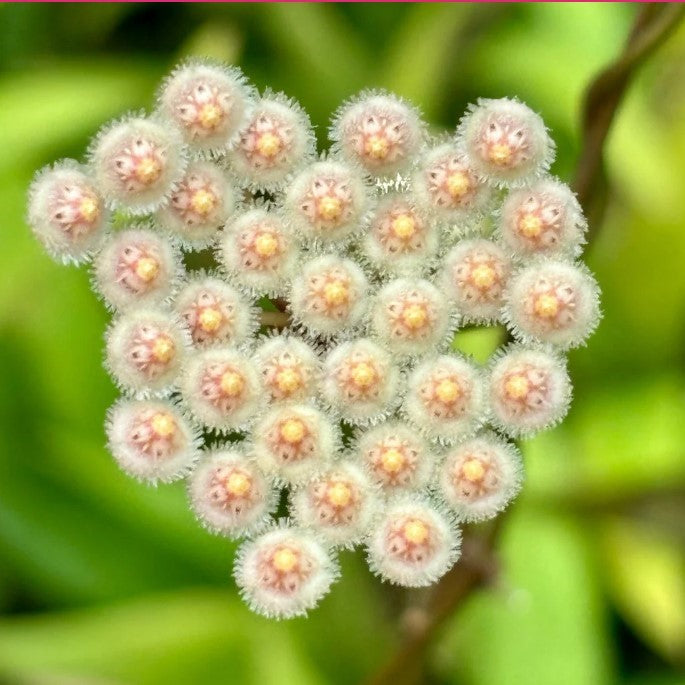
x=346, y=394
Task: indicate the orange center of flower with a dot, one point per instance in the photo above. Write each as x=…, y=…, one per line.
x=163, y=349
x=210, y=319
x=232, y=383
x=329, y=207
x=147, y=269
x=266, y=245
x=148, y=170
x=269, y=145
x=416, y=531
x=288, y=380
x=210, y=116
x=473, y=470
x=363, y=375
x=377, y=147
x=336, y=293
x=404, y=226
x=285, y=560
x=238, y=484
x=448, y=391
x=530, y=225
x=483, y=276
x=393, y=460
x=163, y=424
x=293, y=431
x=517, y=387
x=546, y=306
x=339, y=494
x=89, y=209
x=458, y=184
x=203, y=202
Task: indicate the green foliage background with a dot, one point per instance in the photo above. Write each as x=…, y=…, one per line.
x=105, y=581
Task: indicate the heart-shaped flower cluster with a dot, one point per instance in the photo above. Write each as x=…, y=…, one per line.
x=346, y=393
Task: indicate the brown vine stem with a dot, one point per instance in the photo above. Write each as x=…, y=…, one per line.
x=653, y=24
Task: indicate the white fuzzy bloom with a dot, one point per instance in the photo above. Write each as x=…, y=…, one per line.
x=221, y=388
x=474, y=276
x=480, y=477
x=284, y=572
x=230, y=495
x=340, y=504
x=277, y=141
x=329, y=295
x=506, y=141
x=289, y=368
x=137, y=267
x=543, y=219
x=445, y=398
x=445, y=183
x=360, y=381
x=412, y=317
x=414, y=544
x=401, y=239
x=151, y=440
x=199, y=205
x=145, y=349
x=215, y=312
x=258, y=251
x=396, y=456
x=294, y=441
x=529, y=390
x=137, y=161
x=208, y=103
x=553, y=302
x=66, y=212
x=327, y=201
x=378, y=131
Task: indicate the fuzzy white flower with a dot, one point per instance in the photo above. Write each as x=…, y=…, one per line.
x=221, y=388
x=277, y=140
x=329, y=295
x=445, y=398
x=151, y=440
x=137, y=161
x=506, y=142
x=145, y=349
x=215, y=312
x=208, y=103
x=553, y=302
x=543, y=219
x=360, y=381
x=474, y=276
x=480, y=477
x=396, y=456
x=529, y=390
x=258, y=251
x=378, y=131
x=412, y=317
x=284, y=572
x=294, y=441
x=199, y=205
x=414, y=544
x=66, y=212
x=136, y=266
x=230, y=495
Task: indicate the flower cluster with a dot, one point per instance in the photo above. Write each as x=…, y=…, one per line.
x=352, y=400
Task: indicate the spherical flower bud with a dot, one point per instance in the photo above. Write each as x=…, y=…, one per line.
x=151, y=440
x=284, y=573
x=480, y=477
x=199, y=205
x=340, y=504
x=277, y=140
x=400, y=238
x=445, y=398
x=230, y=495
x=136, y=267
x=446, y=184
x=221, y=388
x=294, y=441
x=137, y=161
x=553, y=302
x=414, y=544
x=66, y=212
x=208, y=103
x=360, y=381
x=396, y=457
x=328, y=295
x=411, y=317
x=543, y=219
x=145, y=351
x=327, y=201
x=379, y=132
x=215, y=312
x=474, y=276
x=258, y=251
x=506, y=141
x=289, y=367
x=529, y=390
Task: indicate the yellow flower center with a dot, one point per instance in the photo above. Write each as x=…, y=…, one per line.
x=203, y=202
x=89, y=209
x=285, y=560
x=530, y=225
x=517, y=387
x=210, y=115
x=500, y=154
x=404, y=226
x=238, y=484
x=377, y=147
x=269, y=145
x=232, y=383
x=163, y=424
x=288, y=380
x=363, y=375
x=415, y=316
x=210, y=319
x=448, y=391
x=473, y=469
x=483, y=276
x=458, y=184
x=336, y=293
x=293, y=431
x=546, y=306
x=147, y=269
x=339, y=494
x=163, y=349
x=329, y=208
x=266, y=245
x=148, y=170
x=416, y=531
x=393, y=460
